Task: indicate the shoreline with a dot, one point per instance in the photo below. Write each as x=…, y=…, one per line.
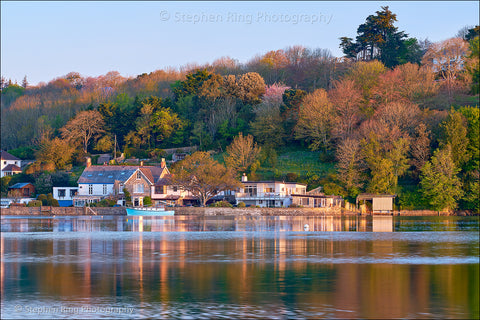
x=212, y=211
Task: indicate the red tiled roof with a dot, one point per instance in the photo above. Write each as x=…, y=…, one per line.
x=4, y=155
x=12, y=168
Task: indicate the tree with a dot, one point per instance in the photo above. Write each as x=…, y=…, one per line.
x=379, y=39
x=203, y=176
x=251, y=86
x=447, y=59
x=25, y=82
x=165, y=123
x=346, y=99
x=349, y=168
x=455, y=135
x=83, y=127
x=57, y=150
x=315, y=120
x=472, y=64
x=104, y=144
x=292, y=98
x=440, y=185
x=366, y=76
x=241, y=153
x=420, y=148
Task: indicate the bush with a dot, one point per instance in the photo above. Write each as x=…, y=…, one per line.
x=34, y=203
x=147, y=201
x=48, y=200
x=241, y=205
x=222, y=204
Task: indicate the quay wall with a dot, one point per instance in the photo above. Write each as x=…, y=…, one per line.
x=207, y=211
x=63, y=211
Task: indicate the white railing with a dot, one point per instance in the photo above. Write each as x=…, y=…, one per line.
x=263, y=195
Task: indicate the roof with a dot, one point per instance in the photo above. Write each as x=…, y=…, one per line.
x=370, y=196
x=12, y=167
x=317, y=196
x=20, y=185
x=110, y=174
x=104, y=158
x=7, y=156
x=165, y=181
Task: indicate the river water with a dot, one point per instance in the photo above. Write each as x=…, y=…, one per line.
x=240, y=267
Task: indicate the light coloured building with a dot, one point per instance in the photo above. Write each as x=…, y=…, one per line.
x=10, y=164
x=99, y=182
x=64, y=195
x=268, y=193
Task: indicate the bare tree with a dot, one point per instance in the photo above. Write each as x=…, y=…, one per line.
x=85, y=126
x=447, y=60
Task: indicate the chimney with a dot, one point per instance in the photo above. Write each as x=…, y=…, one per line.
x=163, y=164
x=244, y=178
x=89, y=162
x=141, y=163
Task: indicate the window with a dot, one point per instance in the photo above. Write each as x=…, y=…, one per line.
x=251, y=190
x=104, y=189
x=73, y=192
x=268, y=189
x=120, y=187
x=61, y=193
x=175, y=189
x=4, y=162
x=90, y=189
x=139, y=175
x=159, y=189
x=138, y=188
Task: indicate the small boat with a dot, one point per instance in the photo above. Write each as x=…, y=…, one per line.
x=149, y=212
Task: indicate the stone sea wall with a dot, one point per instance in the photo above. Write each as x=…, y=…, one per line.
x=62, y=211
x=194, y=211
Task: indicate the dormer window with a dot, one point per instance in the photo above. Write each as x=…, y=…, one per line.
x=139, y=175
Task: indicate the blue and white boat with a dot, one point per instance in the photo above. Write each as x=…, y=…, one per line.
x=149, y=212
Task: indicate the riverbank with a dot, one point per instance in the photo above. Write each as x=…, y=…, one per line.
x=207, y=211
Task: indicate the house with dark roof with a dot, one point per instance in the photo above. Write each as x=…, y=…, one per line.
x=99, y=182
x=10, y=164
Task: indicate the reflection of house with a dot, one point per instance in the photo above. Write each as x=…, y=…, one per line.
x=268, y=193
x=64, y=195
x=380, y=203
x=99, y=182
x=316, y=199
x=22, y=189
x=10, y=164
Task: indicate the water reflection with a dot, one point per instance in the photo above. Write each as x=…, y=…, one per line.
x=269, y=268
x=241, y=223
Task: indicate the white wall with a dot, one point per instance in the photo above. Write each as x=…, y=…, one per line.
x=97, y=189
x=67, y=192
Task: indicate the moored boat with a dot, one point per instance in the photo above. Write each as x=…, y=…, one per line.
x=149, y=212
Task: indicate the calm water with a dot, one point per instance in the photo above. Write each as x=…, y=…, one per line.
x=244, y=267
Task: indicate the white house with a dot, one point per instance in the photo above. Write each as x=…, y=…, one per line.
x=10, y=164
x=64, y=195
x=99, y=182
x=268, y=193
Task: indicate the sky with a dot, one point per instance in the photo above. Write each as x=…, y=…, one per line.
x=46, y=40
